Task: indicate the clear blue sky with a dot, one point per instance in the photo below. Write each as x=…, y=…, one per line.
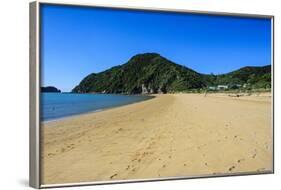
x=77, y=41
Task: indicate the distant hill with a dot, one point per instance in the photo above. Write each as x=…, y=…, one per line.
x=50, y=89
x=152, y=73
x=257, y=77
x=147, y=72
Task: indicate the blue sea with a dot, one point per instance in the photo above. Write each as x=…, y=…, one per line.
x=59, y=105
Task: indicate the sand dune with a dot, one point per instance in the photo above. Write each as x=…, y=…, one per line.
x=167, y=136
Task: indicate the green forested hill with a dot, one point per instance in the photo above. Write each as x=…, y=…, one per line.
x=148, y=71
x=50, y=89
x=152, y=73
x=256, y=77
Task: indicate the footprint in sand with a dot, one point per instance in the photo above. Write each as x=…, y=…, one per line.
x=134, y=159
x=231, y=168
x=260, y=169
x=128, y=167
x=114, y=175
x=70, y=147
x=240, y=160
x=266, y=146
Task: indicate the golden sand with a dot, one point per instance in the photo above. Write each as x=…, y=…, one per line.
x=167, y=136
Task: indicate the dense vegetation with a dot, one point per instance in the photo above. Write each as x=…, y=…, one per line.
x=50, y=89
x=252, y=77
x=152, y=73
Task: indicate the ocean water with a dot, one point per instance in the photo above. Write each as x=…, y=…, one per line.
x=59, y=105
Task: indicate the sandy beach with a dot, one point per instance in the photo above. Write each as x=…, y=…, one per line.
x=167, y=136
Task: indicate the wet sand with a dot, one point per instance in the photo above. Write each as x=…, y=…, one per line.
x=167, y=136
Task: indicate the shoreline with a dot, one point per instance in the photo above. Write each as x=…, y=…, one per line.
x=212, y=94
x=71, y=116
x=172, y=135
x=94, y=111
